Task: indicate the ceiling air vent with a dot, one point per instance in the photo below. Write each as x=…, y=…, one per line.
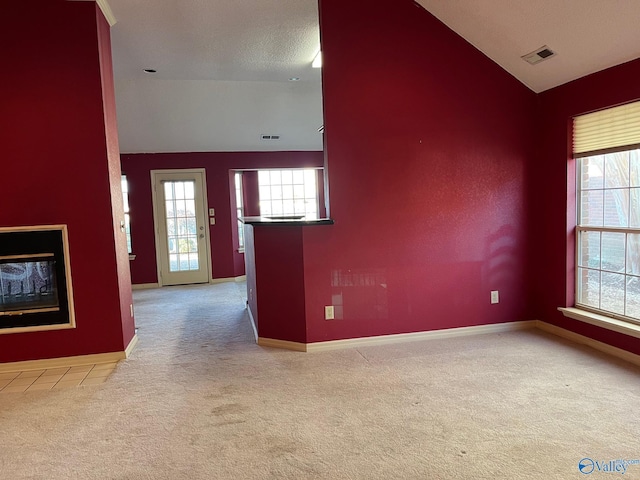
x=538, y=55
x=270, y=137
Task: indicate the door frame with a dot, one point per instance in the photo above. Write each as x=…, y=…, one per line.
x=156, y=216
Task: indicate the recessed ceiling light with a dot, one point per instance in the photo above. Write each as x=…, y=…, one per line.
x=150, y=70
x=294, y=79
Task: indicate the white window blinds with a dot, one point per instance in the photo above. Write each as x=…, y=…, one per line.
x=606, y=131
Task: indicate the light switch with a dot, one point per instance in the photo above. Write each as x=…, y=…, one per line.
x=212, y=221
x=212, y=212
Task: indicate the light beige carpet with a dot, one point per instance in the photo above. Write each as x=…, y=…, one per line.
x=199, y=400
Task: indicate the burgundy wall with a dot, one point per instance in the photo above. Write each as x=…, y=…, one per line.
x=115, y=176
x=428, y=143
x=280, y=306
x=55, y=165
x=552, y=187
x=226, y=261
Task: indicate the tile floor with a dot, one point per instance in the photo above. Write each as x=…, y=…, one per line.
x=54, y=378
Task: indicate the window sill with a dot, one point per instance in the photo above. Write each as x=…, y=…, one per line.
x=615, y=324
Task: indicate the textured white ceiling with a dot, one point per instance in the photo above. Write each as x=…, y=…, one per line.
x=223, y=74
x=223, y=65
x=587, y=35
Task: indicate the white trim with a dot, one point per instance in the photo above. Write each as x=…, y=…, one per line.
x=107, y=12
x=144, y=286
x=67, y=271
x=239, y=279
x=156, y=217
x=450, y=333
x=131, y=346
x=620, y=326
x=48, y=363
x=397, y=338
x=37, y=328
x=283, y=344
x=590, y=342
x=417, y=336
x=253, y=325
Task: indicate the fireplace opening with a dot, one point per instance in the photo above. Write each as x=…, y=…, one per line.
x=35, y=286
x=28, y=285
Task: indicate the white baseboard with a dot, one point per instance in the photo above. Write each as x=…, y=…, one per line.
x=144, y=286
x=589, y=342
x=397, y=338
x=48, y=363
x=284, y=344
x=418, y=336
x=239, y=279
x=75, y=361
x=131, y=346
x=213, y=281
x=253, y=324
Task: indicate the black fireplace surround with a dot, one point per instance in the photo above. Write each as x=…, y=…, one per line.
x=33, y=278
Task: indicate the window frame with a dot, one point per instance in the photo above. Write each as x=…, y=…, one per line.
x=124, y=183
x=309, y=214
x=239, y=193
x=581, y=228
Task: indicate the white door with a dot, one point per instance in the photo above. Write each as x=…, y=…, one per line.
x=182, y=240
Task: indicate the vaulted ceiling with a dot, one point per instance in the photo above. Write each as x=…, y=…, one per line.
x=225, y=67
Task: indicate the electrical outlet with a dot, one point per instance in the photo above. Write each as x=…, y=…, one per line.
x=329, y=313
x=495, y=298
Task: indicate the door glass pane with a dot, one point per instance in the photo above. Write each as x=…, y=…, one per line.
x=168, y=191
x=180, y=221
x=179, y=189
x=190, y=207
x=189, y=190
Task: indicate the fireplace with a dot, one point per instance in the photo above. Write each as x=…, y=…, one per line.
x=35, y=281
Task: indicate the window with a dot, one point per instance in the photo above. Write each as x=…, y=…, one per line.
x=239, y=209
x=608, y=233
x=288, y=193
x=608, y=222
x=127, y=218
